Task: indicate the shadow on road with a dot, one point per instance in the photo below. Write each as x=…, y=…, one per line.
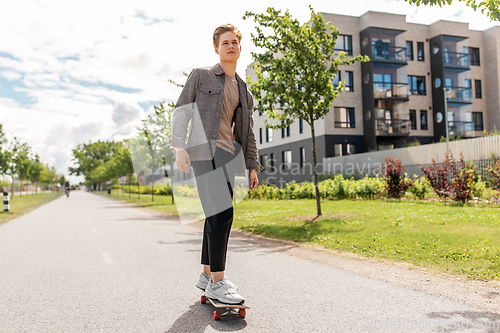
x=200, y=316
x=469, y=320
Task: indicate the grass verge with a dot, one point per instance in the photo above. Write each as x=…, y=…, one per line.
x=455, y=238
x=20, y=205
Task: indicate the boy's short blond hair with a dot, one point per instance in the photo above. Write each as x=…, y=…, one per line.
x=225, y=28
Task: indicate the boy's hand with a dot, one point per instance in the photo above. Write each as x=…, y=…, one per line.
x=182, y=159
x=253, y=180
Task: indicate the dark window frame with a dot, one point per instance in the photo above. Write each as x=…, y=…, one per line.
x=349, y=81
x=409, y=53
x=345, y=38
x=426, y=122
x=412, y=89
x=478, y=88
x=301, y=126
x=352, y=117
x=413, y=124
x=478, y=125
x=260, y=135
x=420, y=47
x=474, y=56
x=302, y=153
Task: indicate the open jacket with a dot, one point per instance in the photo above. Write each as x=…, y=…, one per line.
x=201, y=102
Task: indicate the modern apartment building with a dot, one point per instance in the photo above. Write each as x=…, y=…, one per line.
x=396, y=98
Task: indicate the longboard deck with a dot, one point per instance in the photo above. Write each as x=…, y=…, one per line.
x=218, y=304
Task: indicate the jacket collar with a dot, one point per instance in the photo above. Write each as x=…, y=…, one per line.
x=217, y=68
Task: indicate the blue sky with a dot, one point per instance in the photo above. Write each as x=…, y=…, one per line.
x=73, y=73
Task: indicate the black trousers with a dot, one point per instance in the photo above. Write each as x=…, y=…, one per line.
x=215, y=182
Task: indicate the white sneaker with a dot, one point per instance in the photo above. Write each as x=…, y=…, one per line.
x=203, y=280
x=223, y=292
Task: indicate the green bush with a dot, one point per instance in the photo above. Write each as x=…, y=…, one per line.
x=420, y=187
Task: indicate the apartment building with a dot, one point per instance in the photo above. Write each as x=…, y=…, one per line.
x=416, y=72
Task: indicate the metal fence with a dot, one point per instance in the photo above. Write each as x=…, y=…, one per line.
x=480, y=151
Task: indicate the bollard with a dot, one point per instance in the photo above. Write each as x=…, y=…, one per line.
x=6, y=206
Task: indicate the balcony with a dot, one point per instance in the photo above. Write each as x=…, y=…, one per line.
x=459, y=94
x=463, y=129
x=393, y=127
x=456, y=60
x=386, y=53
x=382, y=90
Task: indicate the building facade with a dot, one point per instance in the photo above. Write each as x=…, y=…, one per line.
x=396, y=98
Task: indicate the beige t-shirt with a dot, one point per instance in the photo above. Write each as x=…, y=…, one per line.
x=225, y=138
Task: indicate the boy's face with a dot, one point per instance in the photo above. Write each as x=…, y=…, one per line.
x=229, y=48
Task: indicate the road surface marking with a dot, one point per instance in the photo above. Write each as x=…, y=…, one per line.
x=107, y=258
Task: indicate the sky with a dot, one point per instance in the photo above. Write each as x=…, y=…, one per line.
x=78, y=72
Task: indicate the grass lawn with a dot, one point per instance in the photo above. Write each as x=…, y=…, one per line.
x=458, y=239
x=20, y=205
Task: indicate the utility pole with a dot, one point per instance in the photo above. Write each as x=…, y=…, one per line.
x=445, y=90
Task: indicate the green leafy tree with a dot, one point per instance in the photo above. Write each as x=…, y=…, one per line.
x=5, y=154
x=295, y=71
x=23, y=163
x=489, y=7
x=36, y=171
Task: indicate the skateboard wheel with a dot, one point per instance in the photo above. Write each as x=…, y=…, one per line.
x=216, y=315
x=243, y=313
x=203, y=299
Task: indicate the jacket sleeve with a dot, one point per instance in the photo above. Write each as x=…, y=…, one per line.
x=183, y=111
x=252, y=157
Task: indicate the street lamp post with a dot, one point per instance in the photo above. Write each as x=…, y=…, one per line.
x=445, y=90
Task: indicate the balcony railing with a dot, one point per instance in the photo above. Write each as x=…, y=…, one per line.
x=383, y=90
x=455, y=59
x=389, y=53
x=459, y=94
x=393, y=127
x=461, y=128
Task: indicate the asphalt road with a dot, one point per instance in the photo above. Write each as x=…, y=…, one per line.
x=91, y=264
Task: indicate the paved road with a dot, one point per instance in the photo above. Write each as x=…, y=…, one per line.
x=91, y=264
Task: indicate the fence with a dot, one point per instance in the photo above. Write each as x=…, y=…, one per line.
x=480, y=151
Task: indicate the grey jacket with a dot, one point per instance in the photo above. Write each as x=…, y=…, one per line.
x=201, y=102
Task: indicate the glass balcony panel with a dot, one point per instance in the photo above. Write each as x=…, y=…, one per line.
x=383, y=90
x=393, y=127
x=383, y=52
x=459, y=94
x=456, y=59
x=462, y=129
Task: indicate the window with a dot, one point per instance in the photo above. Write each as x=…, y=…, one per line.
x=420, y=51
x=409, y=50
x=260, y=110
x=344, y=117
x=423, y=120
x=286, y=156
x=416, y=85
x=302, y=151
x=351, y=148
x=338, y=149
x=479, y=89
x=285, y=130
x=468, y=90
x=344, y=43
x=271, y=162
x=263, y=161
x=269, y=135
x=301, y=126
x=260, y=135
x=413, y=119
x=477, y=118
x=474, y=56
x=336, y=80
x=349, y=81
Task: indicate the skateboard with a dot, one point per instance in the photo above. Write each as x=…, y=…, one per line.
x=239, y=309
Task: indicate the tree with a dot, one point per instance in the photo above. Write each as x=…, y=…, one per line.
x=491, y=7
x=295, y=71
x=36, y=171
x=5, y=154
x=23, y=163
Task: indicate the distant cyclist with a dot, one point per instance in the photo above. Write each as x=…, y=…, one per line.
x=66, y=186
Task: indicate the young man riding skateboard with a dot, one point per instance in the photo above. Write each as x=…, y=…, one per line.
x=219, y=98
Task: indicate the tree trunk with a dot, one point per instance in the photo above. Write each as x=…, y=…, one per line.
x=21, y=188
x=315, y=173
x=152, y=184
x=123, y=189
x=129, y=190
x=172, y=182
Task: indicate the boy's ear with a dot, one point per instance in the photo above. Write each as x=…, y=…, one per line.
x=216, y=49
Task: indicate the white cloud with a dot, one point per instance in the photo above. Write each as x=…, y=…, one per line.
x=126, y=112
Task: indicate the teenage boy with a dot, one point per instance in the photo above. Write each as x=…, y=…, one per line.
x=219, y=105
